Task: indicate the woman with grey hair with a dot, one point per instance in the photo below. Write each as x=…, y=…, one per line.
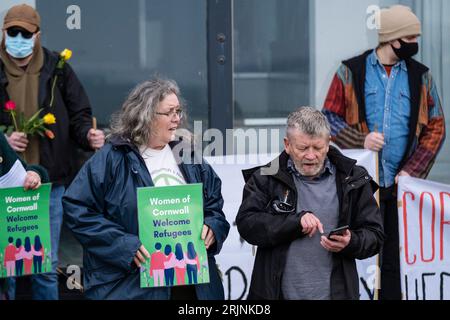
x=101, y=205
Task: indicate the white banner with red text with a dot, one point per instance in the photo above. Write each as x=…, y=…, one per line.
x=424, y=234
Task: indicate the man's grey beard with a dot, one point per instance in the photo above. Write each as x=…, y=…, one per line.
x=319, y=171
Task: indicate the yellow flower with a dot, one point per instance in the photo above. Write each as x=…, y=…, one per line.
x=49, y=118
x=66, y=54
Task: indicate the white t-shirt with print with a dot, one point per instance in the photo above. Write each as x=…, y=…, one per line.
x=162, y=167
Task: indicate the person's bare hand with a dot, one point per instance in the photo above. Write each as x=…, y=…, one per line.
x=32, y=181
x=18, y=141
x=337, y=243
x=140, y=256
x=310, y=224
x=374, y=141
x=96, y=138
x=208, y=236
x=401, y=174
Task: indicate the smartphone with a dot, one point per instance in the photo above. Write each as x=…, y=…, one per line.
x=338, y=231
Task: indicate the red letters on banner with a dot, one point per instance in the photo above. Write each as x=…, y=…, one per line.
x=433, y=223
x=443, y=196
x=405, y=227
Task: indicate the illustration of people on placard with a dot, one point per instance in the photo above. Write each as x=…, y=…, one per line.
x=192, y=263
x=38, y=255
x=169, y=265
x=19, y=257
x=24, y=259
x=27, y=255
x=157, y=266
x=10, y=258
x=180, y=264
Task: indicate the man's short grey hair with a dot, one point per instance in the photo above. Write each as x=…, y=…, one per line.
x=310, y=121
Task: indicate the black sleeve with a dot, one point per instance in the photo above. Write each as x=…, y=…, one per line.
x=11, y=156
x=78, y=107
x=40, y=171
x=367, y=234
x=257, y=223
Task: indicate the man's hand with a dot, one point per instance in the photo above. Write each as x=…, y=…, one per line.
x=140, y=256
x=401, y=174
x=374, y=141
x=208, y=236
x=32, y=181
x=310, y=224
x=96, y=138
x=337, y=243
x=18, y=141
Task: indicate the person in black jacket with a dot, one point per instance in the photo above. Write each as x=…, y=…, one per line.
x=32, y=78
x=290, y=204
x=35, y=175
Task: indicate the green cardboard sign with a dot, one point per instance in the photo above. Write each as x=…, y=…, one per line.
x=25, y=246
x=170, y=226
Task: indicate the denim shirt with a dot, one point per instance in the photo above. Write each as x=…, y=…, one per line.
x=388, y=111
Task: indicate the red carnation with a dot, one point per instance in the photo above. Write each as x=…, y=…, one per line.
x=10, y=106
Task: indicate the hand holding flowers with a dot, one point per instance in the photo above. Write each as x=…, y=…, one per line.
x=32, y=126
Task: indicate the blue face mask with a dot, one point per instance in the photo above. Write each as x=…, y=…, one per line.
x=19, y=47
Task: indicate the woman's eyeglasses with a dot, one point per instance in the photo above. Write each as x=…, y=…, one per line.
x=172, y=113
x=13, y=32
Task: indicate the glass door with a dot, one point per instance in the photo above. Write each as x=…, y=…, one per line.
x=271, y=60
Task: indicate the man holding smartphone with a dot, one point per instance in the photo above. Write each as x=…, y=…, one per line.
x=286, y=211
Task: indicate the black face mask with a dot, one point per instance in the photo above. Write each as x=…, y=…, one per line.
x=406, y=50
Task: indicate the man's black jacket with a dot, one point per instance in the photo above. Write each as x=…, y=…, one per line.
x=73, y=114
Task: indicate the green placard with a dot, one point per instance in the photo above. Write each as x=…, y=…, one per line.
x=170, y=226
x=25, y=231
